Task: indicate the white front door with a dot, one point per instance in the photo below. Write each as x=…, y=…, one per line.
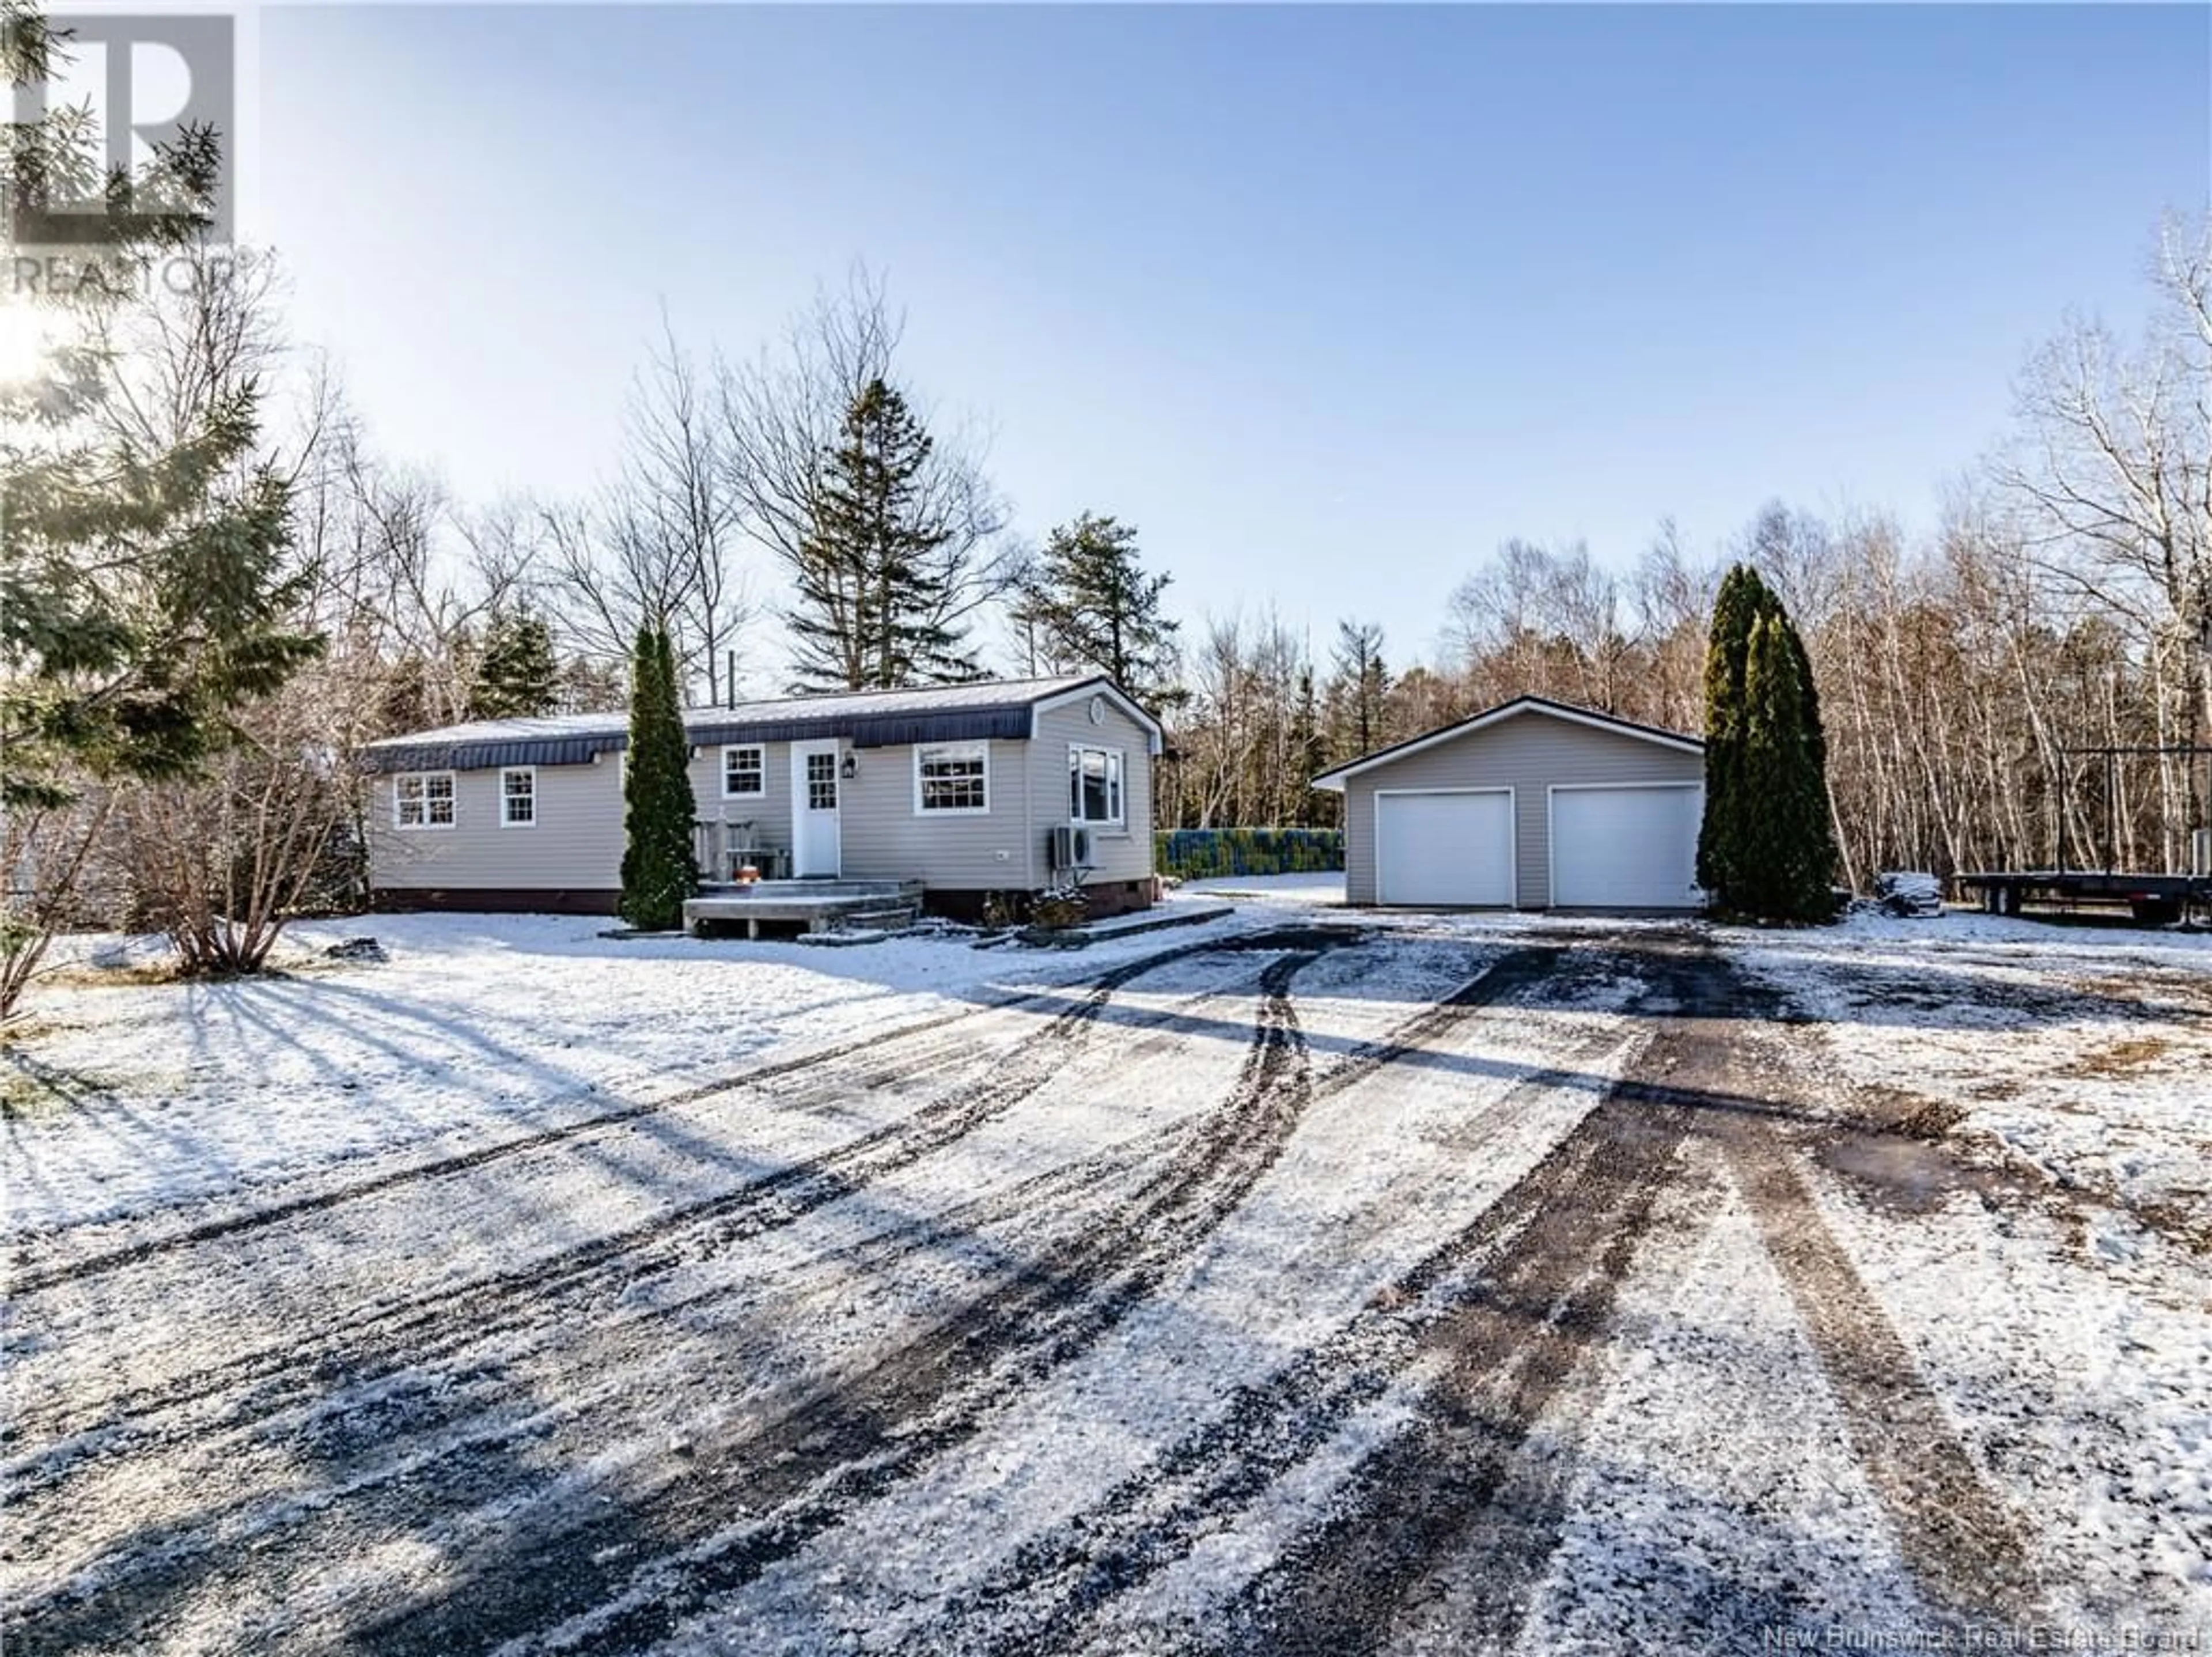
x=814, y=844
x=1445, y=846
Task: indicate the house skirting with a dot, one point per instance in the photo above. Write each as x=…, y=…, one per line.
x=497, y=899
x=1104, y=898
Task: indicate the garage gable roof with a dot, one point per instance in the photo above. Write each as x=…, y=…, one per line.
x=1336, y=776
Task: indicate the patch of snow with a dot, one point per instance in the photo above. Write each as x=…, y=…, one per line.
x=1314, y=887
x=2087, y=1377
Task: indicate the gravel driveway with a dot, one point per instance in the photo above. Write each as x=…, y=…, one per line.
x=1332, y=1289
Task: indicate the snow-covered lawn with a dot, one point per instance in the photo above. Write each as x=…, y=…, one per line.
x=1301, y=1281
x=2078, y=1051
x=476, y=1025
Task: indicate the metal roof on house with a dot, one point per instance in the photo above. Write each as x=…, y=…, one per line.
x=947, y=713
x=1333, y=778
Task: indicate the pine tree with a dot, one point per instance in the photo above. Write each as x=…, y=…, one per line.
x=658, y=872
x=148, y=592
x=517, y=675
x=1357, y=690
x=1091, y=603
x=874, y=581
x=1767, y=846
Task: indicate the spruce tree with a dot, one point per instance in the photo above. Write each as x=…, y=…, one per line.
x=145, y=593
x=874, y=581
x=658, y=872
x=1357, y=688
x=1767, y=846
x=1090, y=602
x=517, y=676
x=148, y=590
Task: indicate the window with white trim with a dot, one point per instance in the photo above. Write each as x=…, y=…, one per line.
x=517, y=798
x=1094, y=785
x=952, y=777
x=744, y=771
x=423, y=800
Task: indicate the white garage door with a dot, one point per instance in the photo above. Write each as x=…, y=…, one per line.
x=1625, y=848
x=1444, y=848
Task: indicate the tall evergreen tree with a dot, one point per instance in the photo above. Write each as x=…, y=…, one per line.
x=148, y=590
x=1742, y=599
x=1309, y=755
x=658, y=871
x=1767, y=845
x=1091, y=603
x=1358, y=688
x=875, y=583
x=517, y=676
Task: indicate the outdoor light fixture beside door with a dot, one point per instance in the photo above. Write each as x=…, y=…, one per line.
x=851, y=768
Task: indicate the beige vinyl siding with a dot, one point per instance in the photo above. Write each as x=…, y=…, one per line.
x=883, y=838
x=768, y=812
x=577, y=842
x=575, y=845
x=1124, y=853
x=1527, y=752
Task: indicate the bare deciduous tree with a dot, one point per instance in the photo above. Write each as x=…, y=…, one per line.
x=659, y=544
x=2111, y=479
x=781, y=415
x=220, y=862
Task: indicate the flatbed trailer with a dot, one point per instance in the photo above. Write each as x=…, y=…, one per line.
x=2157, y=899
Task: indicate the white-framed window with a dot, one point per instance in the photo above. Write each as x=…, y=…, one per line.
x=423, y=800
x=1094, y=785
x=517, y=798
x=952, y=777
x=744, y=771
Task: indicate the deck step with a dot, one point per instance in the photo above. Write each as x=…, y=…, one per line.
x=888, y=919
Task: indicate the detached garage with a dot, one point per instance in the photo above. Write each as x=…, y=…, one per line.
x=1533, y=805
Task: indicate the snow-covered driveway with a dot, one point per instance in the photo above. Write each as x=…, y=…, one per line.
x=1303, y=1283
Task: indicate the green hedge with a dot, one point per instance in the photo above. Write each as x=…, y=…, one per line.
x=1210, y=854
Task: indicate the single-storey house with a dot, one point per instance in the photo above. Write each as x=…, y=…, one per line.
x=1534, y=804
x=971, y=789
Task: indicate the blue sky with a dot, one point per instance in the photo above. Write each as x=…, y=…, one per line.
x=1328, y=301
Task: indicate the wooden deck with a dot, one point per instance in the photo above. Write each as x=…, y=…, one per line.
x=804, y=905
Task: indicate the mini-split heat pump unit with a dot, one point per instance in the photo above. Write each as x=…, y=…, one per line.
x=1070, y=846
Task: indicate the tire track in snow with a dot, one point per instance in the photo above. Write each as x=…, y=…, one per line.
x=24, y=1282
x=1462, y=1481
x=1432, y=1025
x=1957, y=1534
x=569, y=1583
x=1501, y=1351
x=1054, y=1589
x=423, y=1328
x=422, y=1412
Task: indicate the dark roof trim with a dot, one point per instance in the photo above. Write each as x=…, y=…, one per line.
x=569, y=750
x=875, y=730
x=867, y=731
x=1336, y=776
